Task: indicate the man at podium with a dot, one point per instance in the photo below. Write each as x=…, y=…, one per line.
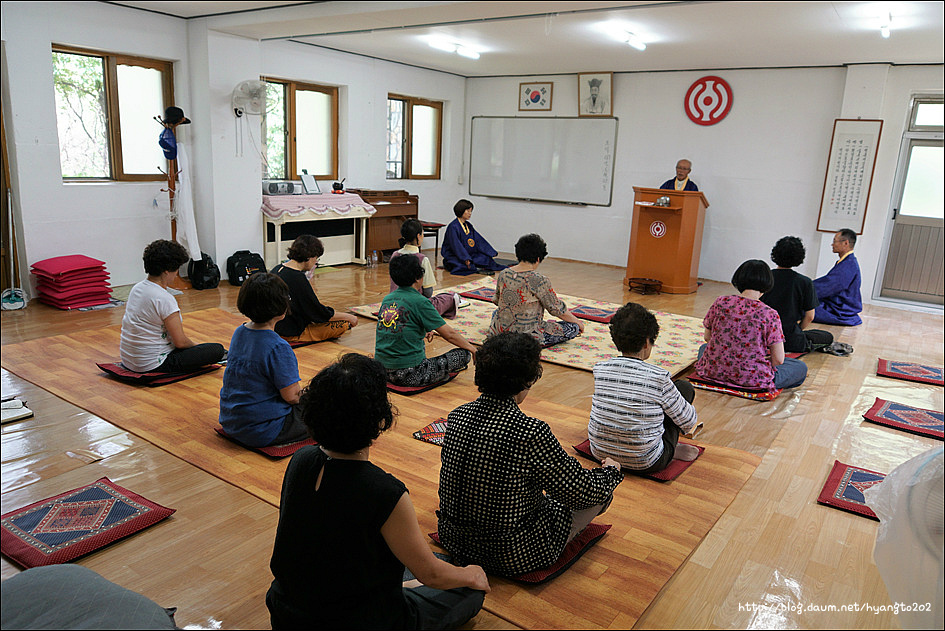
x=681, y=182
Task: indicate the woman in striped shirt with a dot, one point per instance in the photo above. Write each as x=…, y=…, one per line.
x=638, y=412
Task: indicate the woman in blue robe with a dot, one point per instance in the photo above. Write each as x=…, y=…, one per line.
x=464, y=250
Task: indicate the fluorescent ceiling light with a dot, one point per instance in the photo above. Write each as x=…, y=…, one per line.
x=442, y=44
x=469, y=53
x=635, y=41
x=884, y=27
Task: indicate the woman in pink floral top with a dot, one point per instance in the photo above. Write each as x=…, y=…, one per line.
x=745, y=339
x=522, y=296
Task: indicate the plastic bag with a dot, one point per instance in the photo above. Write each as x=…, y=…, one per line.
x=909, y=543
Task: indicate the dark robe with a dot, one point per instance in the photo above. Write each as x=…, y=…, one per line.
x=670, y=185
x=839, y=293
x=459, y=247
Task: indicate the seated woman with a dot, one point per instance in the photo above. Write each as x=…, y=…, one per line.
x=511, y=498
x=637, y=411
x=403, y=320
x=411, y=234
x=347, y=529
x=308, y=320
x=745, y=342
x=794, y=298
x=522, y=296
x=261, y=386
x=152, y=329
x=464, y=250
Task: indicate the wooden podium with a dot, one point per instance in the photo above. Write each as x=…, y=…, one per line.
x=665, y=241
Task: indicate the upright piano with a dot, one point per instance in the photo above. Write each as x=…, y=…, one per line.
x=393, y=208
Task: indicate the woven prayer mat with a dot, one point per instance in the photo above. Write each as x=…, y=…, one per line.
x=844, y=488
x=676, y=348
x=753, y=395
x=573, y=551
x=671, y=472
x=152, y=379
x=273, y=451
x=75, y=523
x=909, y=371
x=907, y=418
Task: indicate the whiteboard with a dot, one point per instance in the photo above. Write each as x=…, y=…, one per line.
x=553, y=159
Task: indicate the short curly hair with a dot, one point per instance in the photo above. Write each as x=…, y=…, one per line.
x=531, y=248
x=753, y=274
x=405, y=270
x=164, y=256
x=508, y=363
x=262, y=297
x=788, y=252
x=346, y=407
x=632, y=326
x=304, y=247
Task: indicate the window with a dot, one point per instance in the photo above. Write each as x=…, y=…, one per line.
x=414, y=138
x=105, y=106
x=300, y=131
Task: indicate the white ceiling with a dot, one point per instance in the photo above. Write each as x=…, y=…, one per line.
x=536, y=38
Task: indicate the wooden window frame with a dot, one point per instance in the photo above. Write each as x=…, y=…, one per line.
x=112, y=118
x=407, y=151
x=291, y=167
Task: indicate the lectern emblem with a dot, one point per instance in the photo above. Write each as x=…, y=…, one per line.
x=658, y=229
x=708, y=100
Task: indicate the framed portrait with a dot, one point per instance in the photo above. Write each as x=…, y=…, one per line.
x=595, y=94
x=535, y=96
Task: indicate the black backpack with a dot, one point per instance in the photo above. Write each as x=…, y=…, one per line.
x=203, y=274
x=242, y=265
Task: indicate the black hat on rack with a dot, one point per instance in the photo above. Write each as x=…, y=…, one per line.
x=175, y=116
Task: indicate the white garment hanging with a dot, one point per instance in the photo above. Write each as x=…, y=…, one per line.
x=184, y=205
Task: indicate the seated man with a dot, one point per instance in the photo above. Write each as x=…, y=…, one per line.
x=464, y=250
x=681, y=182
x=638, y=412
x=794, y=298
x=405, y=317
x=839, y=289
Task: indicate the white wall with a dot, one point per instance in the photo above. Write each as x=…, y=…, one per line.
x=108, y=221
x=761, y=168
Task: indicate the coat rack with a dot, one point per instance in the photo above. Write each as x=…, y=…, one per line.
x=173, y=116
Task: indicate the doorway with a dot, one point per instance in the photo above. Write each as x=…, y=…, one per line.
x=915, y=270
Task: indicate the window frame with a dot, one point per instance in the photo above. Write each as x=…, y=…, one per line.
x=112, y=118
x=407, y=148
x=291, y=166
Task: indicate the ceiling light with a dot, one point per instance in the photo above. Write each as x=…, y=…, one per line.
x=469, y=53
x=442, y=44
x=884, y=28
x=635, y=41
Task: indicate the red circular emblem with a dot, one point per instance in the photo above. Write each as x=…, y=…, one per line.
x=658, y=229
x=708, y=100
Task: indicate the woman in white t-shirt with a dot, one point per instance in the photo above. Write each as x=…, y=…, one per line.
x=152, y=330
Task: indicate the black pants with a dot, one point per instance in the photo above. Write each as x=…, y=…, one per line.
x=443, y=609
x=671, y=430
x=182, y=360
x=818, y=339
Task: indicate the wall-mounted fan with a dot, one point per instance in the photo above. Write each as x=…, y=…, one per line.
x=249, y=97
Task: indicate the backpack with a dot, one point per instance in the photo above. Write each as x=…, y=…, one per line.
x=203, y=274
x=242, y=265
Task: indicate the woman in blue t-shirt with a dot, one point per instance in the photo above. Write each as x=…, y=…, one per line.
x=261, y=385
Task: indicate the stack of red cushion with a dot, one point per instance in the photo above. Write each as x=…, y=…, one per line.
x=70, y=282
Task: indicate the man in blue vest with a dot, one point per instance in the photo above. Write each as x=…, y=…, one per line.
x=839, y=289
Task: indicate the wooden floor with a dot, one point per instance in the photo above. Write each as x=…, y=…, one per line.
x=773, y=549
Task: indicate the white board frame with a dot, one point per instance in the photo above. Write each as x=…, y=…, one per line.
x=849, y=177
x=591, y=181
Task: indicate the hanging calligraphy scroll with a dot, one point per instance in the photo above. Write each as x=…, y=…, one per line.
x=849, y=174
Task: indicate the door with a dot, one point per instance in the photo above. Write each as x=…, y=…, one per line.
x=914, y=257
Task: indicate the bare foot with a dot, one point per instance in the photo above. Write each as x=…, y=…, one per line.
x=686, y=453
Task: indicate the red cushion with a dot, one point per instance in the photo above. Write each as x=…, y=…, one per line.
x=75, y=293
x=410, y=390
x=62, y=264
x=70, y=278
x=273, y=451
x=75, y=303
x=152, y=378
x=671, y=472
